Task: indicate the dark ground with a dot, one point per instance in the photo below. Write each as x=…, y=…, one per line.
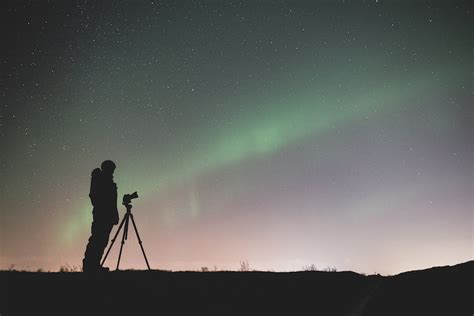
x=436, y=291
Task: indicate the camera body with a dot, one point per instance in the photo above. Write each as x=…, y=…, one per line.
x=127, y=198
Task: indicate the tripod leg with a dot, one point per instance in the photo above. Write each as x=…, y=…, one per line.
x=126, y=229
x=113, y=240
x=139, y=241
x=123, y=239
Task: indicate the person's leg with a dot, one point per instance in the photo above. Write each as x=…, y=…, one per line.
x=104, y=239
x=90, y=261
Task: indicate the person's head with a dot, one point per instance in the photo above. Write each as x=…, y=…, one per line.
x=108, y=167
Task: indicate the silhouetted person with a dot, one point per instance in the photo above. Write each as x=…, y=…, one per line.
x=103, y=195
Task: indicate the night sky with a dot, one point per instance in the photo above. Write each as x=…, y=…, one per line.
x=284, y=133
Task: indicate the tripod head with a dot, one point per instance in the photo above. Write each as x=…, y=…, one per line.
x=127, y=200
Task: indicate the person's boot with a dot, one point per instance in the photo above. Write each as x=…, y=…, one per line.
x=86, y=267
x=92, y=268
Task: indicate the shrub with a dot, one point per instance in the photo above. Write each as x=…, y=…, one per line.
x=68, y=268
x=244, y=266
x=311, y=267
x=330, y=269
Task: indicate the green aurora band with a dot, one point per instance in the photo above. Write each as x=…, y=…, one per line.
x=309, y=113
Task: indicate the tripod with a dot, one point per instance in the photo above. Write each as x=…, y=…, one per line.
x=124, y=224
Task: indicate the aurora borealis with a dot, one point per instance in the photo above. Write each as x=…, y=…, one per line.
x=285, y=133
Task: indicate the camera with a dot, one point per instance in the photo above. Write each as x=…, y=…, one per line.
x=127, y=198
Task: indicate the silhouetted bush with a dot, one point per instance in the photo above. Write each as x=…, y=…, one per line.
x=68, y=268
x=311, y=267
x=244, y=266
x=330, y=269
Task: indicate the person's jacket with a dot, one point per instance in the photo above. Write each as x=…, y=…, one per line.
x=103, y=195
